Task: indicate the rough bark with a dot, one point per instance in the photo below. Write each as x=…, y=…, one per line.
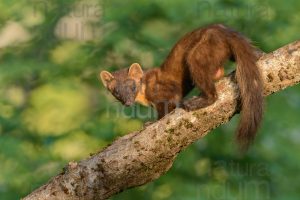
x=145, y=155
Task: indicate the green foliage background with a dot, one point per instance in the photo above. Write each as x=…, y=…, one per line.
x=53, y=108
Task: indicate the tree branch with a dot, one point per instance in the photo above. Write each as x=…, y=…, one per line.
x=144, y=156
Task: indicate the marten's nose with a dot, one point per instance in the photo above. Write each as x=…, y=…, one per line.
x=127, y=103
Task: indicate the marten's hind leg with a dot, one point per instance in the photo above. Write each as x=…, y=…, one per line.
x=204, y=72
x=205, y=62
x=205, y=82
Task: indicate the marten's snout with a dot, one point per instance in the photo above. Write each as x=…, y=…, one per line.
x=128, y=103
x=125, y=91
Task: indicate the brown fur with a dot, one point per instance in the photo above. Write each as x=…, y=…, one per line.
x=197, y=60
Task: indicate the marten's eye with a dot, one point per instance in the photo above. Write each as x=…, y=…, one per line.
x=116, y=93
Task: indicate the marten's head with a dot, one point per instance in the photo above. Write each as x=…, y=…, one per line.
x=124, y=84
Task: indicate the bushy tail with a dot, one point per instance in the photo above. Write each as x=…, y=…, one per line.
x=251, y=89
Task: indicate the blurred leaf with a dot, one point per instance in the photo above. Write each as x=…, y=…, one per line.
x=57, y=108
x=76, y=145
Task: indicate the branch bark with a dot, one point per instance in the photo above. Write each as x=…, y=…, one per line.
x=143, y=156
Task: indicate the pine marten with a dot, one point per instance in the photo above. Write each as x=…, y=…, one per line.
x=197, y=59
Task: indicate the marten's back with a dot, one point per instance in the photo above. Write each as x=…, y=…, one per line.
x=175, y=64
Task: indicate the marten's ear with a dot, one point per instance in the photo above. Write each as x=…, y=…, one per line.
x=135, y=71
x=106, y=77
